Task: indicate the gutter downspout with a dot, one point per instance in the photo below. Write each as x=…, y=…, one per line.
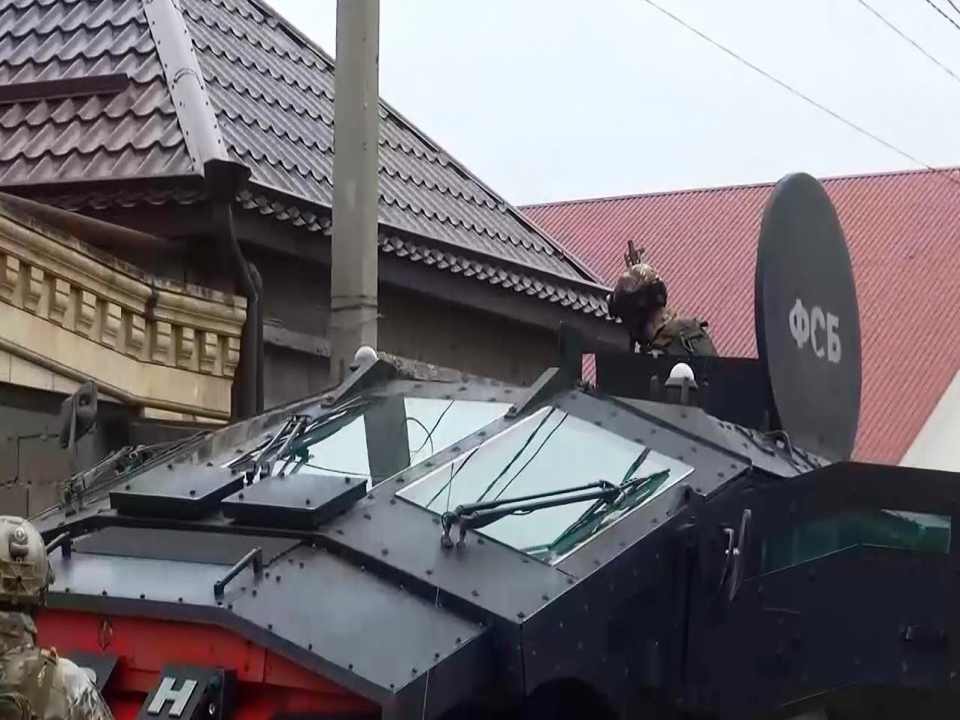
x=225, y=180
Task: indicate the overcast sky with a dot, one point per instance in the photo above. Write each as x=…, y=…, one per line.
x=559, y=99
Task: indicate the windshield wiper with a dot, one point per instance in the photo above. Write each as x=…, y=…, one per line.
x=284, y=446
x=481, y=514
x=630, y=490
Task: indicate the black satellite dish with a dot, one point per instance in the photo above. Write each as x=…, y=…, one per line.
x=808, y=321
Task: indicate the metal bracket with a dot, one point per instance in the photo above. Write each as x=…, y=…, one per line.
x=62, y=541
x=551, y=382
x=365, y=377
x=570, y=351
x=254, y=557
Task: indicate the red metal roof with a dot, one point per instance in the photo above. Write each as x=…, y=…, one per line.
x=904, y=237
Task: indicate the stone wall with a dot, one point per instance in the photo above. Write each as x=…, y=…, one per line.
x=68, y=311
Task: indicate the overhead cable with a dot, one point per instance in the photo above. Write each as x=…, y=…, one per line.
x=945, y=16
x=913, y=42
x=802, y=96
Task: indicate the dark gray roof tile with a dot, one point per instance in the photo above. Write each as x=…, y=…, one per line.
x=284, y=83
x=134, y=133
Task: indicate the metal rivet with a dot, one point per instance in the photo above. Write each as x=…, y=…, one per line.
x=254, y=593
x=569, y=581
x=393, y=501
x=520, y=615
x=350, y=667
x=301, y=566
x=436, y=656
x=480, y=541
x=230, y=606
x=240, y=496
x=193, y=493
x=308, y=501
x=278, y=578
x=545, y=597
x=413, y=671
x=309, y=646
x=366, y=516
x=169, y=466
x=269, y=626
x=458, y=641
x=429, y=572
x=127, y=486
x=384, y=552
x=475, y=593
x=143, y=596
x=180, y=600
x=339, y=531
x=209, y=464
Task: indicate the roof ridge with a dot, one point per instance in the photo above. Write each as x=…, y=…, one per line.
x=733, y=188
x=558, y=249
x=185, y=83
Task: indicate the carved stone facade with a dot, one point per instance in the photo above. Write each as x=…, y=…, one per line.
x=69, y=314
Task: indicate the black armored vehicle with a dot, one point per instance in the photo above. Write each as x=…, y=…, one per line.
x=678, y=539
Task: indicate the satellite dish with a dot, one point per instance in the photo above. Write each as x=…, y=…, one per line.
x=808, y=321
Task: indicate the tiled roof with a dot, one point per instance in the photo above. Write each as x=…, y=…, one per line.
x=903, y=235
x=270, y=94
x=133, y=133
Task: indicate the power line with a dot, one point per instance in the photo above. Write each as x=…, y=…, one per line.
x=949, y=19
x=913, y=42
x=955, y=8
x=806, y=98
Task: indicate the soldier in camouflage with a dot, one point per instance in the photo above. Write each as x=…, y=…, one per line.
x=639, y=300
x=35, y=684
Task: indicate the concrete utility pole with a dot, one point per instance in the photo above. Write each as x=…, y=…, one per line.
x=356, y=107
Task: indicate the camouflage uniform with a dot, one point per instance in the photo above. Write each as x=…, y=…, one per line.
x=639, y=298
x=677, y=336
x=35, y=684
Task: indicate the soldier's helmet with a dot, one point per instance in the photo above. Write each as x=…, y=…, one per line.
x=25, y=572
x=637, y=292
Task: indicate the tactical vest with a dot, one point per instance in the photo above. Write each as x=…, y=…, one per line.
x=684, y=337
x=25, y=683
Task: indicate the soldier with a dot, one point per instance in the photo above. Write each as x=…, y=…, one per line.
x=639, y=299
x=35, y=684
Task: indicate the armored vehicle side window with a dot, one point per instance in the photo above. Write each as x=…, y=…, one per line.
x=918, y=532
x=549, y=451
x=349, y=443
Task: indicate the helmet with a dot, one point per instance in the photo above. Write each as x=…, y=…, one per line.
x=25, y=571
x=638, y=291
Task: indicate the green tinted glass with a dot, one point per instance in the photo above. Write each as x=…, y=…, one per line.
x=549, y=451
x=918, y=532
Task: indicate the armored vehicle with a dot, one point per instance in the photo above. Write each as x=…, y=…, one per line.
x=672, y=540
